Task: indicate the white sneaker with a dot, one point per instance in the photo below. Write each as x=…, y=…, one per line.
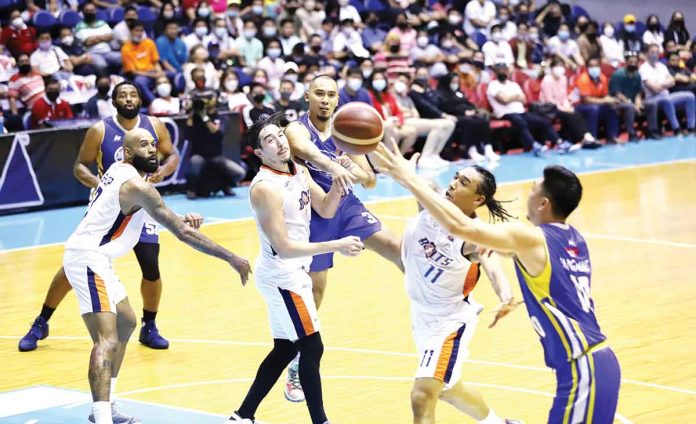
x=490, y=154
x=475, y=155
x=117, y=417
x=293, y=388
x=236, y=419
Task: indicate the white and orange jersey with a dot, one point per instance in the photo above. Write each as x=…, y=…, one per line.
x=297, y=206
x=439, y=273
x=104, y=228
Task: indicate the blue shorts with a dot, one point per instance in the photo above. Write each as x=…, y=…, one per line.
x=351, y=219
x=587, y=390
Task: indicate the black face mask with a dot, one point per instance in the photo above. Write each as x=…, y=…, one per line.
x=24, y=68
x=478, y=64
x=90, y=17
x=316, y=49
x=395, y=48
x=130, y=22
x=127, y=113
x=654, y=27
x=52, y=95
x=292, y=10
x=592, y=36
x=372, y=23
x=144, y=164
x=285, y=95
x=103, y=90
x=501, y=77
x=402, y=25
x=631, y=68
x=522, y=17
x=423, y=82
x=258, y=98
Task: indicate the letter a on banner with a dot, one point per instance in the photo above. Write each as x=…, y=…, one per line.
x=18, y=184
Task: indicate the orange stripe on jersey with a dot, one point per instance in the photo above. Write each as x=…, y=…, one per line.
x=121, y=228
x=305, y=318
x=471, y=278
x=445, y=355
x=101, y=292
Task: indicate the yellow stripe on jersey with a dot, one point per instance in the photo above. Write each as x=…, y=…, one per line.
x=540, y=286
x=100, y=163
x=593, y=384
x=573, y=394
x=581, y=335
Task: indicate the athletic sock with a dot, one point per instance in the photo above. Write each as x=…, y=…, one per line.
x=102, y=412
x=112, y=390
x=492, y=418
x=46, y=312
x=149, y=315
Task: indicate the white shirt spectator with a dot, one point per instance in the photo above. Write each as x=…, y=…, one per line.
x=48, y=62
x=274, y=69
x=613, y=50
x=474, y=10
x=163, y=107
x=352, y=41
x=288, y=43
x=497, y=53
x=349, y=12
x=84, y=31
x=235, y=101
x=311, y=21
x=105, y=108
x=650, y=37
x=509, y=30
x=508, y=88
x=657, y=74
x=192, y=39
x=121, y=35
x=419, y=53
x=568, y=48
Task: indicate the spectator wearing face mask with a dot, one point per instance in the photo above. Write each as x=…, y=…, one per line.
x=269, y=31
x=598, y=107
x=141, y=61
x=478, y=15
x=231, y=92
x=199, y=35
x=172, y=50
x=83, y=63
x=588, y=43
x=254, y=12
x=625, y=85
x=613, y=50
x=288, y=37
x=684, y=78
x=167, y=14
x=656, y=82
x=26, y=85
x=348, y=11
x=221, y=46
x=353, y=91
x=522, y=47
x=17, y=37
x=425, y=53
x=629, y=39
x=677, y=32
x=507, y=26
x=272, y=62
x=497, y=50
x=234, y=22
x=291, y=108
x=199, y=59
x=259, y=108
x=122, y=29
x=554, y=90
x=653, y=33
x=165, y=104
x=96, y=35
x=100, y=105
x=49, y=60
x=347, y=43
x=385, y=103
x=311, y=17
x=49, y=106
x=393, y=57
x=566, y=48
x=249, y=48
x=372, y=35
x=405, y=33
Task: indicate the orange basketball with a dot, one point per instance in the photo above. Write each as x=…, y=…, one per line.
x=357, y=128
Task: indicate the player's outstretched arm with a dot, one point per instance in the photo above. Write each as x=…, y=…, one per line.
x=494, y=270
x=325, y=204
x=137, y=193
x=88, y=155
x=268, y=206
x=507, y=237
x=362, y=171
x=165, y=147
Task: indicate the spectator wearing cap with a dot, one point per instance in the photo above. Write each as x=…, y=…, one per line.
x=405, y=32
x=234, y=23
x=613, y=50
x=50, y=60
x=507, y=100
x=141, y=61
x=291, y=108
x=653, y=33
x=311, y=17
x=629, y=39
x=259, y=108
x=563, y=46
x=478, y=15
x=292, y=74
x=49, y=106
x=26, y=85
x=17, y=36
x=288, y=37
x=249, y=48
x=625, y=85
x=599, y=107
x=372, y=35
x=353, y=91
x=347, y=43
x=172, y=50
x=199, y=35
x=589, y=44
x=497, y=50
x=656, y=82
x=96, y=35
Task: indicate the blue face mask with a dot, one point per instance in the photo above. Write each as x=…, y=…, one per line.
x=563, y=35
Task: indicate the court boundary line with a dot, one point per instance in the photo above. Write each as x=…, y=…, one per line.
x=380, y=352
x=406, y=197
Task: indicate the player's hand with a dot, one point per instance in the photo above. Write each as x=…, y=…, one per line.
x=391, y=162
x=156, y=176
x=350, y=246
x=193, y=220
x=242, y=266
x=345, y=161
x=504, y=309
x=343, y=177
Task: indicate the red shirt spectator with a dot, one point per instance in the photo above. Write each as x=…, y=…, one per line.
x=18, y=37
x=44, y=110
x=389, y=101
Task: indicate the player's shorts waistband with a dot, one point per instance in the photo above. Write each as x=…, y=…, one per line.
x=594, y=348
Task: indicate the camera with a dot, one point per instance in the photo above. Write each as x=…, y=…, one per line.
x=201, y=100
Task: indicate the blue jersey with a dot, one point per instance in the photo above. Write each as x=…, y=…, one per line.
x=112, y=143
x=327, y=147
x=558, y=300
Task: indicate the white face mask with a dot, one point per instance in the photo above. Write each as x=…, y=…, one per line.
x=249, y=33
x=220, y=32
x=497, y=37
x=354, y=84
x=18, y=23
x=168, y=14
x=164, y=90
x=343, y=3
x=379, y=85
x=290, y=77
x=465, y=68
x=594, y=71
x=201, y=31
x=454, y=19
x=454, y=87
x=366, y=73
x=270, y=31
x=447, y=44
x=67, y=40
x=558, y=71
x=609, y=32
x=400, y=87
x=231, y=85
x=273, y=53
x=422, y=41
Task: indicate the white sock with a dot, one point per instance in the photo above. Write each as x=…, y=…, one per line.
x=102, y=412
x=112, y=391
x=492, y=418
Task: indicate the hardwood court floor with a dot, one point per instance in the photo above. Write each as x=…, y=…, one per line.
x=639, y=224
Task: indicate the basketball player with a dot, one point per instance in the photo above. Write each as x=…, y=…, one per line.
x=310, y=140
x=441, y=272
x=281, y=196
x=111, y=226
x=102, y=145
x=553, y=267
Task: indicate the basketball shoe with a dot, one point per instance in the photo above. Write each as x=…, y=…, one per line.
x=293, y=388
x=117, y=417
x=38, y=331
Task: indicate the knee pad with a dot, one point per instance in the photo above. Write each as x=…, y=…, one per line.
x=148, y=258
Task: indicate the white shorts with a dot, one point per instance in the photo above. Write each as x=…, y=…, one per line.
x=290, y=302
x=442, y=347
x=94, y=281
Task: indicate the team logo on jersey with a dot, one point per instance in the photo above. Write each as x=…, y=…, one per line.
x=450, y=237
x=429, y=248
x=118, y=154
x=572, y=251
x=304, y=199
x=117, y=138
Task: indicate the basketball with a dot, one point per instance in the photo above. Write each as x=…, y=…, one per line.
x=357, y=128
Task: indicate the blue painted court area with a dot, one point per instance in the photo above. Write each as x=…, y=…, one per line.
x=53, y=405
x=54, y=226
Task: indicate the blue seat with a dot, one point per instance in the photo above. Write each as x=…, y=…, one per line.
x=358, y=4
x=577, y=11
x=44, y=20
x=180, y=82
x=69, y=18
x=479, y=38
x=102, y=15
x=375, y=6
x=148, y=18
x=115, y=15
x=6, y=4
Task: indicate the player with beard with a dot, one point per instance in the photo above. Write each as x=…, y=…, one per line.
x=102, y=146
x=111, y=226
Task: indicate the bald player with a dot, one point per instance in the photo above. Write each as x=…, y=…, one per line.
x=109, y=229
